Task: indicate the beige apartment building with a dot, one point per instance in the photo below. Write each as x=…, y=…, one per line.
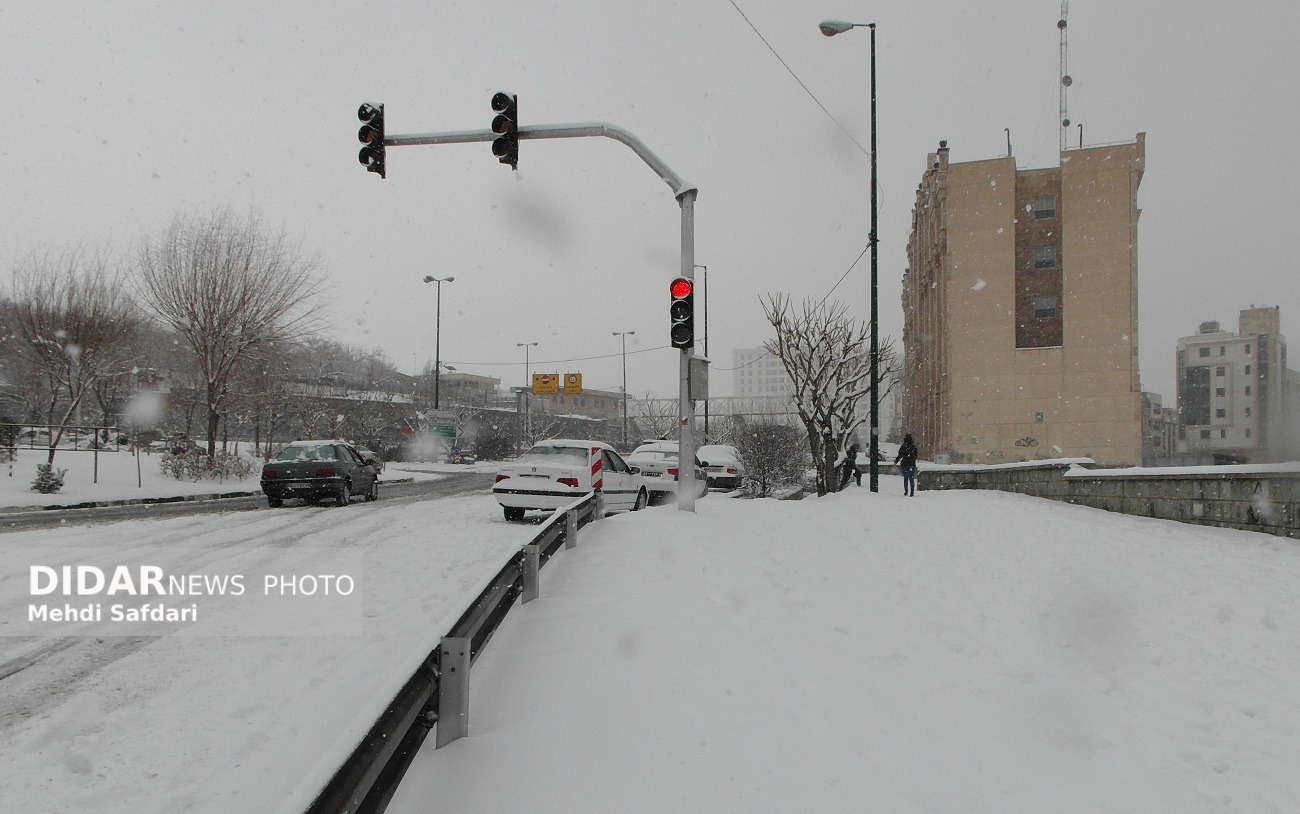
x=1020, y=309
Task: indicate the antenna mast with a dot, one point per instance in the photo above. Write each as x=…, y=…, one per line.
x=1066, y=81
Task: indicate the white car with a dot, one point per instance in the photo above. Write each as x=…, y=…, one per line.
x=722, y=464
x=658, y=463
x=556, y=472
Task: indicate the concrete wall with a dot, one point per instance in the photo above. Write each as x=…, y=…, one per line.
x=1265, y=499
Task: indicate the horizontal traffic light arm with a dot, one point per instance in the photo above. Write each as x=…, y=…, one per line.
x=582, y=130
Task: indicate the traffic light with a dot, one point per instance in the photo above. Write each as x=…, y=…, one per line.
x=371, y=136
x=682, y=311
x=506, y=125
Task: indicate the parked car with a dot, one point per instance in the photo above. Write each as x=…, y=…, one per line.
x=371, y=457
x=556, y=472
x=313, y=470
x=658, y=464
x=722, y=464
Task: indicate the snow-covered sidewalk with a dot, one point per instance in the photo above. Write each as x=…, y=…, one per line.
x=956, y=651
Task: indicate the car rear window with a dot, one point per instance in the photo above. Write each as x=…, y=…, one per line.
x=322, y=452
x=549, y=453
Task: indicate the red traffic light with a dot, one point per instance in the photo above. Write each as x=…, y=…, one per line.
x=681, y=287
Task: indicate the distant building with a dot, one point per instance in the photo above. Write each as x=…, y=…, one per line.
x=1236, y=397
x=1159, y=431
x=1020, y=308
x=758, y=375
x=602, y=404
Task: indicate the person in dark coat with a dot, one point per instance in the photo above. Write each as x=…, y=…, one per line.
x=906, y=460
x=851, y=469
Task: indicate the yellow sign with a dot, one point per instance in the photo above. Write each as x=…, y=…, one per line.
x=573, y=384
x=546, y=384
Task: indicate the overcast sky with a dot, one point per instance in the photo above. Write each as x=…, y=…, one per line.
x=122, y=113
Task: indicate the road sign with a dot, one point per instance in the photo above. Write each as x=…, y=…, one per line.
x=441, y=430
x=573, y=384
x=546, y=384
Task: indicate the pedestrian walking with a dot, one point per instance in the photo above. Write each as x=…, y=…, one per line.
x=851, y=469
x=906, y=460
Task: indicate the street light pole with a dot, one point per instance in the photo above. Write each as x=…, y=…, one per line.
x=528, y=391
x=830, y=28
x=705, y=297
x=624, y=335
x=437, y=335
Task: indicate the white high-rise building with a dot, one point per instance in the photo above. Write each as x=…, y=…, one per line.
x=759, y=375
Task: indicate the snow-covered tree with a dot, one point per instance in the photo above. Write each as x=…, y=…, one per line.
x=826, y=354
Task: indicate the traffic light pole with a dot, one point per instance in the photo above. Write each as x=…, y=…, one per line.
x=684, y=193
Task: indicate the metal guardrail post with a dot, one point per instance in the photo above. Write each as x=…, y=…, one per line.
x=453, y=691
x=532, y=572
x=571, y=528
x=600, y=506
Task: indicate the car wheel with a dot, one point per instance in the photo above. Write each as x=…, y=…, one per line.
x=513, y=514
x=344, y=496
x=641, y=500
x=274, y=502
x=373, y=494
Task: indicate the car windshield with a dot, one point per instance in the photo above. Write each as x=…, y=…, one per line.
x=556, y=454
x=320, y=452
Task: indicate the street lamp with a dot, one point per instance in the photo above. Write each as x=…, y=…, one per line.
x=528, y=391
x=830, y=28
x=437, y=335
x=624, y=335
x=704, y=295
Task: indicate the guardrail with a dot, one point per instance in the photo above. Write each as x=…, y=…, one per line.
x=437, y=695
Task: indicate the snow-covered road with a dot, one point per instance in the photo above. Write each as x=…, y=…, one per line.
x=196, y=720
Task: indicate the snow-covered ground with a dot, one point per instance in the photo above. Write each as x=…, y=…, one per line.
x=956, y=651
x=952, y=652
x=119, y=478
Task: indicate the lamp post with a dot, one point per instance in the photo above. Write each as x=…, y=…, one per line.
x=830, y=28
x=705, y=292
x=528, y=391
x=437, y=335
x=624, y=335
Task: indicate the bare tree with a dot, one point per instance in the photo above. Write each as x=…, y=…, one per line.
x=652, y=417
x=827, y=357
x=75, y=323
x=228, y=286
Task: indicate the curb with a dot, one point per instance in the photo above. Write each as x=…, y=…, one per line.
x=148, y=501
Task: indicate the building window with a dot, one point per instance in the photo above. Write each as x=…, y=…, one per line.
x=1044, y=257
x=1248, y=390
x=1220, y=413
x=1247, y=370
x=1247, y=411
x=1220, y=391
x=1223, y=351
x=1044, y=206
x=1247, y=350
x=1205, y=434
x=1205, y=351
x=1044, y=307
x=1223, y=433
x=1248, y=432
x=1218, y=371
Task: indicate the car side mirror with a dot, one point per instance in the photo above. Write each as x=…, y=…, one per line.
x=635, y=470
